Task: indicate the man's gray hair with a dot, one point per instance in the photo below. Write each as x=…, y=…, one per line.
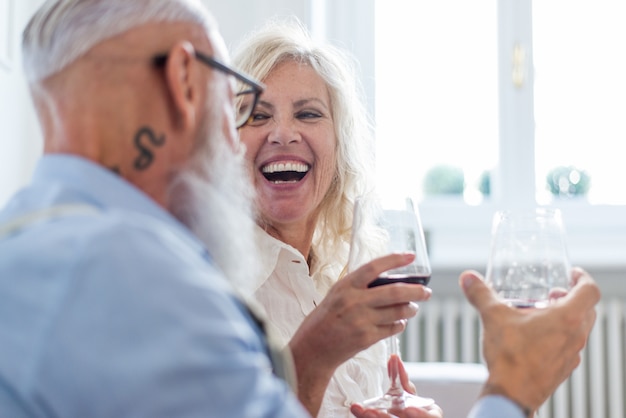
x=63, y=30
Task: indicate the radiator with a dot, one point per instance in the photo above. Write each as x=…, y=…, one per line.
x=448, y=330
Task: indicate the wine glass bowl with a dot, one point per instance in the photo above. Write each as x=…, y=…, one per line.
x=394, y=226
x=403, y=233
x=528, y=263
x=381, y=227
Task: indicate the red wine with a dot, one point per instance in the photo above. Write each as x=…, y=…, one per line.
x=404, y=278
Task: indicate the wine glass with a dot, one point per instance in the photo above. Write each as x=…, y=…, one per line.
x=528, y=264
x=380, y=227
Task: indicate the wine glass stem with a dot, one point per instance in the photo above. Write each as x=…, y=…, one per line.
x=393, y=345
x=394, y=373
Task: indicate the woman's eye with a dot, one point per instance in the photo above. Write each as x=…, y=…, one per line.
x=258, y=118
x=308, y=115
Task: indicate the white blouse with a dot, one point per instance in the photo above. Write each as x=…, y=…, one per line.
x=288, y=293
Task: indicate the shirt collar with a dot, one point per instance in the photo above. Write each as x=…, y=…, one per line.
x=103, y=188
x=270, y=250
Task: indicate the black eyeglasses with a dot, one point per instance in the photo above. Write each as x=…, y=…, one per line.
x=249, y=89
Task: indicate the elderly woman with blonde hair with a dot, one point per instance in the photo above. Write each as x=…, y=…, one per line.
x=309, y=150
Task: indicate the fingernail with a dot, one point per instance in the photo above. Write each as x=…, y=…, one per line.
x=468, y=281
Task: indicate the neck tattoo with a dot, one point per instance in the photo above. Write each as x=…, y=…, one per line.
x=146, y=156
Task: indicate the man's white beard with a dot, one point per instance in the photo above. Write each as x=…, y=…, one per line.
x=213, y=198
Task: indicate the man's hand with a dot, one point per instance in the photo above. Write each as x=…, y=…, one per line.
x=530, y=352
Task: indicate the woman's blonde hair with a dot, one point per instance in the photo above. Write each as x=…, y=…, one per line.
x=281, y=40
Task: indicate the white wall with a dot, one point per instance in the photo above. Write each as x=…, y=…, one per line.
x=236, y=17
x=20, y=141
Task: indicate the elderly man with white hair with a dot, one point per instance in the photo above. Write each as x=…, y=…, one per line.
x=113, y=293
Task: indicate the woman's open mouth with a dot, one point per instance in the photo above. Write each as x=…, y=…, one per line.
x=285, y=172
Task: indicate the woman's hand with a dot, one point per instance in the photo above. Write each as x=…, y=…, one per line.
x=433, y=411
x=350, y=319
x=352, y=316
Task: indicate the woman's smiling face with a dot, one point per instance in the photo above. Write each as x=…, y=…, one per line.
x=290, y=147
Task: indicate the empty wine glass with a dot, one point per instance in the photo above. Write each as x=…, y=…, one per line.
x=528, y=263
x=380, y=227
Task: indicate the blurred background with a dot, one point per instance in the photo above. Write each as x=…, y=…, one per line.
x=478, y=106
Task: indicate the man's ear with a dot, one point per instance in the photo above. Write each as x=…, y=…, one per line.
x=182, y=82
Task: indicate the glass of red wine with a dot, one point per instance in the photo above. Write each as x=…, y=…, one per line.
x=382, y=226
x=528, y=264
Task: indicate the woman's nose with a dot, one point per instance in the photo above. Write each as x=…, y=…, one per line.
x=283, y=132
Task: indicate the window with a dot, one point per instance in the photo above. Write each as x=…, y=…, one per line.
x=580, y=93
x=511, y=91
x=436, y=91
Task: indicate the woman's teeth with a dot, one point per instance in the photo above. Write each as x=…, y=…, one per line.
x=278, y=167
x=289, y=172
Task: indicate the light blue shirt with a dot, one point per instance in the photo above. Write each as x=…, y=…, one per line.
x=495, y=407
x=113, y=309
